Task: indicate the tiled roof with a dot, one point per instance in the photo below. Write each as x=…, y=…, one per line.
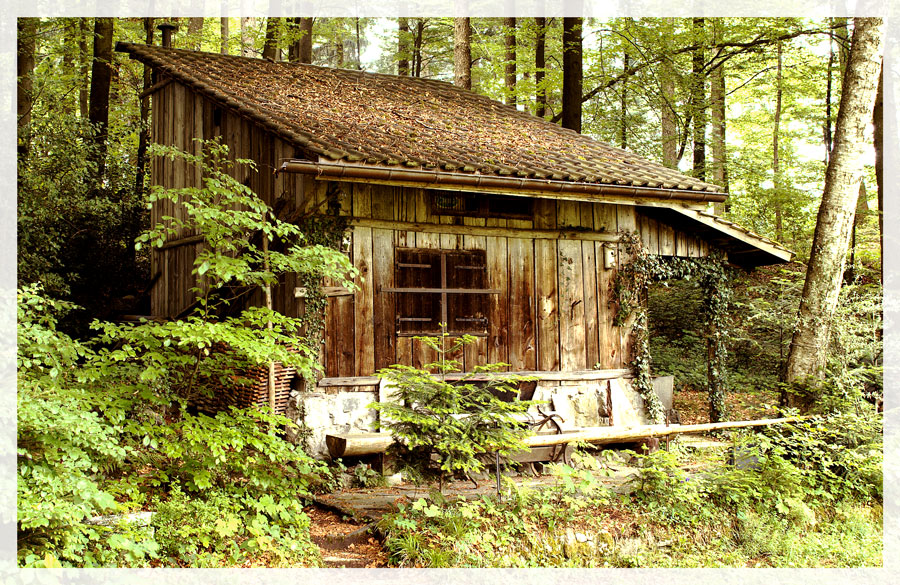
x=387, y=120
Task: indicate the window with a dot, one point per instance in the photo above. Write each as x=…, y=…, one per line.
x=478, y=205
x=441, y=286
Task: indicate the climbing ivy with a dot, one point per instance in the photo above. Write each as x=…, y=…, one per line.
x=630, y=287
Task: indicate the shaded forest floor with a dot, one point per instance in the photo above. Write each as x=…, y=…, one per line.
x=693, y=405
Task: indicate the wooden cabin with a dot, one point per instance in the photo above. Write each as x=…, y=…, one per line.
x=464, y=211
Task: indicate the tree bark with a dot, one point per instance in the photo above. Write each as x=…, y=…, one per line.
x=418, y=39
x=462, y=53
x=403, y=46
x=540, y=64
x=304, y=47
x=572, y=73
x=509, y=29
x=101, y=76
x=828, y=85
x=878, y=123
x=270, y=45
x=717, y=111
x=831, y=238
x=358, y=47
x=195, y=27
x=245, y=37
x=144, y=136
x=776, y=167
x=669, y=125
x=623, y=105
x=224, y=30
x=698, y=100
x=25, y=52
x=83, y=95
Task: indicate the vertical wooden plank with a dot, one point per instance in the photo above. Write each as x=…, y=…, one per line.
x=546, y=296
x=627, y=221
x=591, y=315
x=653, y=233
x=423, y=215
x=364, y=339
x=605, y=220
x=572, y=355
x=498, y=277
x=643, y=223
x=586, y=215
x=522, y=346
x=384, y=326
x=176, y=255
x=567, y=214
x=666, y=240
x=544, y=214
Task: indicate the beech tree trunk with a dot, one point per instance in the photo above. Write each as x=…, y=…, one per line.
x=623, y=104
x=540, y=63
x=669, y=125
x=270, y=45
x=878, y=123
x=84, y=88
x=572, y=73
x=245, y=37
x=509, y=29
x=195, y=27
x=809, y=344
x=698, y=101
x=717, y=112
x=224, y=30
x=403, y=46
x=144, y=136
x=304, y=45
x=101, y=76
x=26, y=29
x=776, y=167
x=462, y=53
x=418, y=39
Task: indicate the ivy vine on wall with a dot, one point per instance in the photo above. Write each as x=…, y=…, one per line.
x=630, y=288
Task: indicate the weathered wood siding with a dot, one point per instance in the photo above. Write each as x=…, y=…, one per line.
x=554, y=309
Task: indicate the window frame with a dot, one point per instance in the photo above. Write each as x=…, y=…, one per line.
x=482, y=205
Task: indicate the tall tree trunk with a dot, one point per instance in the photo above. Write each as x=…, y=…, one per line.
x=26, y=29
x=831, y=238
x=509, y=29
x=417, y=47
x=245, y=37
x=669, y=125
x=144, y=136
x=878, y=123
x=101, y=75
x=572, y=73
x=540, y=64
x=776, y=167
x=85, y=56
x=304, y=46
x=828, y=84
x=717, y=112
x=358, y=47
x=698, y=100
x=70, y=38
x=270, y=46
x=403, y=46
x=623, y=104
x=195, y=28
x=462, y=53
x=224, y=29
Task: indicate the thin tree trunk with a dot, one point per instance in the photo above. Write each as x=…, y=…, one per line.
x=462, y=53
x=70, y=38
x=509, y=29
x=776, y=168
x=224, y=29
x=144, y=136
x=669, y=125
x=828, y=84
x=623, y=104
x=270, y=46
x=85, y=83
x=540, y=64
x=717, y=111
x=101, y=76
x=698, y=101
x=417, y=47
x=245, y=37
x=878, y=123
x=25, y=49
x=403, y=46
x=572, y=73
x=358, y=47
x=195, y=27
x=831, y=238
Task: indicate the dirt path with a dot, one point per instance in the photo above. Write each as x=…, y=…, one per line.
x=344, y=542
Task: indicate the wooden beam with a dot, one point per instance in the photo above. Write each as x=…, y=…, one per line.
x=181, y=242
x=472, y=230
x=357, y=444
x=155, y=88
x=736, y=232
x=549, y=376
